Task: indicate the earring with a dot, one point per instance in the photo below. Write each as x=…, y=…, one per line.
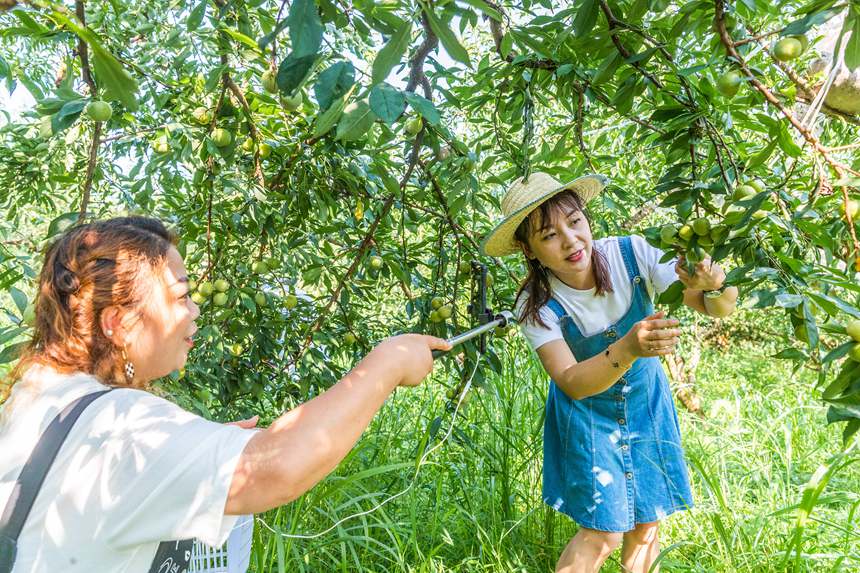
x=108, y=332
x=129, y=367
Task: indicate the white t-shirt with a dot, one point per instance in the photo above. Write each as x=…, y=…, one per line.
x=592, y=314
x=134, y=470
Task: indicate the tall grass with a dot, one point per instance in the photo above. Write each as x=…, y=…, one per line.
x=773, y=489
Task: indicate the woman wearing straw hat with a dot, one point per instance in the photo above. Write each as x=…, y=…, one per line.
x=612, y=448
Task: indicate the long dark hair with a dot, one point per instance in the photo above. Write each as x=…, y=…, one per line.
x=536, y=284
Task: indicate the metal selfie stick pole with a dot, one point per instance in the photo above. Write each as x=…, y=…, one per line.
x=501, y=320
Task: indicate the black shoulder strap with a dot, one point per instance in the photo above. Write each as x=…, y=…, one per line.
x=33, y=474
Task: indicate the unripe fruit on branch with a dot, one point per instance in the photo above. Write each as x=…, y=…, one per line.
x=853, y=329
x=701, y=226
x=445, y=311
x=221, y=137
x=269, y=81
x=744, y=192
x=729, y=83
x=853, y=209
x=99, y=110
x=787, y=49
x=686, y=232
x=161, y=145
x=414, y=125
x=206, y=288
x=293, y=102
x=201, y=115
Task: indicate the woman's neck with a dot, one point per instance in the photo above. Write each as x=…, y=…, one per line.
x=583, y=280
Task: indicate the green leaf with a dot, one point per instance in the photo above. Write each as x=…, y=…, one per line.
x=196, y=16
x=387, y=102
x=11, y=352
x=791, y=354
x=61, y=223
x=485, y=8
x=328, y=119
x=67, y=115
x=449, y=41
x=507, y=44
x=306, y=30
x=334, y=82
x=810, y=21
x=786, y=142
x=672, y=295
x=241, y=38
x=838, y=352
x=72, y=108
x=607, y=68
x=268, y=38
x=117, y=83
x=294, y=70
x=391, y=53
x=586, y=18
x=357, y=119
x=852, y=48
x=425, y=107
x=4, y=68
x=762, y=156
x=19, y=298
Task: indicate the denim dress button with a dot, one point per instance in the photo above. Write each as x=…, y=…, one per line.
x=629, y=475
x=625, y=447
x=637, y=280
x=621, y=421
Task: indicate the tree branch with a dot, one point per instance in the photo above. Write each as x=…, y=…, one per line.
x=837, y=167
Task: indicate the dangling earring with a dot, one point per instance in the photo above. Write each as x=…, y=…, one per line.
x=129, y=367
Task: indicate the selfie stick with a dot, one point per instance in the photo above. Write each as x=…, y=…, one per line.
x=501, y=320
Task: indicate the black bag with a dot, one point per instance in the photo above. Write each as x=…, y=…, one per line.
x=32, y=476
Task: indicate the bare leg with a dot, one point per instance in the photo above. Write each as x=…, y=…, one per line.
x=587, y=551
x=641, y=547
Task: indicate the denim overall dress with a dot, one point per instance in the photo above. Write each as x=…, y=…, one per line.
x=614, y=459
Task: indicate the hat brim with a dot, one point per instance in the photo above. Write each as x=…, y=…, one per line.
x=500, y=241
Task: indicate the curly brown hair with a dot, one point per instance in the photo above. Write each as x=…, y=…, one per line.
x=536, y=285
x=89, y=268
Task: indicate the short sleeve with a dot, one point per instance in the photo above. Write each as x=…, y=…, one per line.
x=658, y=276
x=535, y=334
x=168, y=471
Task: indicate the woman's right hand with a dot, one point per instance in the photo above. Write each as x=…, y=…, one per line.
x=411, y=354
x=653, y=336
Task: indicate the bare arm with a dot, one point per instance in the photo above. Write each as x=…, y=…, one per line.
x=652, y=336
x=302, y=446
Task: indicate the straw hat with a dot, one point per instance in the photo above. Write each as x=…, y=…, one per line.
x=523, y=196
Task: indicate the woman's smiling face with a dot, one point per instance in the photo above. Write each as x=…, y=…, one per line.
x=560, y=239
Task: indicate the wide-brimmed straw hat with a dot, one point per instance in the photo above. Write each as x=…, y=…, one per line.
x=523, y=196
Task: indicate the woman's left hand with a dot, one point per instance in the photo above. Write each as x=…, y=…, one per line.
x=706, y=276
x=246, y=424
